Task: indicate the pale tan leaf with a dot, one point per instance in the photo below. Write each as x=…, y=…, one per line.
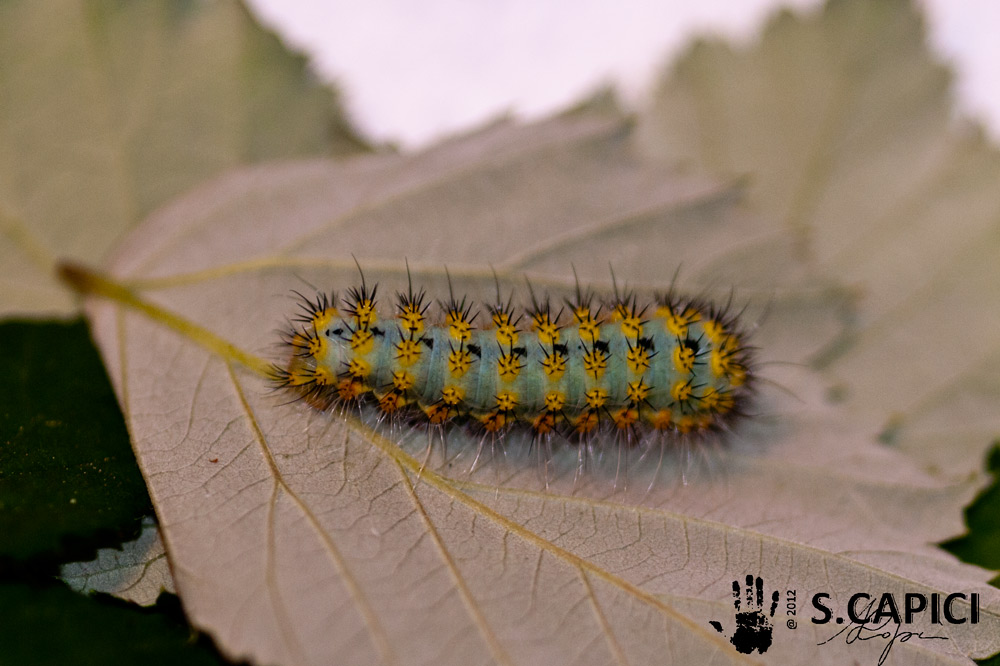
x=302, y=537
x=843, y=121
x=110, y=109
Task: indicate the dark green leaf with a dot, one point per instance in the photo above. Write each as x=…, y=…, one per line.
x=982, y=544
x=49, y=624
x=68, y=479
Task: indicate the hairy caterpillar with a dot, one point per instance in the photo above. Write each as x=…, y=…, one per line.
x=675, y=366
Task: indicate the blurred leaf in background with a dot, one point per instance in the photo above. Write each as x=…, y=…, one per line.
x=843, y=124
x=111, y=108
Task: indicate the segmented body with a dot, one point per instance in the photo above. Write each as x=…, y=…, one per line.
x=674, y=365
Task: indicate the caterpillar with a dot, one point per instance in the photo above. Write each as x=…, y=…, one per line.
x=677, y=366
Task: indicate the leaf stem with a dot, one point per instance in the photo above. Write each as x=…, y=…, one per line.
x=89, y=282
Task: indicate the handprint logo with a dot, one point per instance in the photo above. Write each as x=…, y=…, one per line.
x=753, y=627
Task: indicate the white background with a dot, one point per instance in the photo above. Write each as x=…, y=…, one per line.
x=413, y=70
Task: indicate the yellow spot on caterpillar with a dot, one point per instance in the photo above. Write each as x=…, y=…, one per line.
x=300, y=341
x=402, y=380
x=717, y=402
x=631, y=324
x=452, y=395
x=508, y=366
x=438, y=413
x=408, y=352
x=637, y=360
x=595, y=362
x=729, y=344
x=685, y=424
x=625, y=418
x=662, y=419
x=714, y=331
x=300, y=377
x=494, y=421
x=723, y=364
x=588, y=327
x=459, y=362
x=322, y=318
x=358, y=368
x=310, y=345
x=459, y=326
x=554, y=401
x=350, y=389
x=506, y=401
x=411, y=320
x=544, y=423
x=506, y=331
x=637, y=392
x=364, y=313
x=501, y=318
x=323, y=377
x=545, y=328
x=718, y=362
x=391, y=402
x=681, y=391
x=318, y=346
x=722, y=360
x=632, y=327
x=362, y=341
x=677, y=324
x=507, y=335
x=554, y=365
x=683, y=358
x=586, y=422
x=595, y=398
